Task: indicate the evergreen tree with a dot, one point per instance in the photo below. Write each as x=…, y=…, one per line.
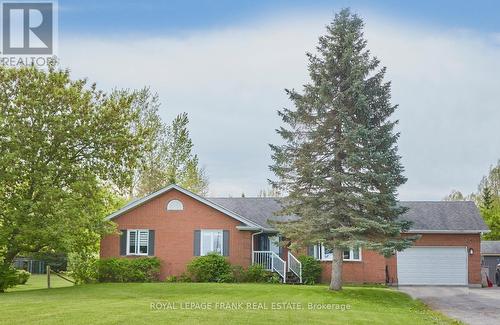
x=339, y=162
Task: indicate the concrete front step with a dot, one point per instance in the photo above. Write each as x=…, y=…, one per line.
x=291, y=278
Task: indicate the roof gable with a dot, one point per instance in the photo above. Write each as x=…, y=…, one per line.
x=139, y=202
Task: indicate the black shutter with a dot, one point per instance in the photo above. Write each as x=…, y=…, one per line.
x=225, y=242
x=196, y=243
x=280, y=247
x=123, y=242
x=151, y=243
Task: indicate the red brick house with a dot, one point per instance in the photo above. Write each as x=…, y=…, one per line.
x=177, y=225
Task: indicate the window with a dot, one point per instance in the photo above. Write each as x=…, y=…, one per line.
x=175, y=205
x=137, y=242
x=211, y=242
x=352, y=255
x=324, y=254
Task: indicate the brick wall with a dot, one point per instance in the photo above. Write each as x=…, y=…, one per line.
x=371, y=269
x=174, y=231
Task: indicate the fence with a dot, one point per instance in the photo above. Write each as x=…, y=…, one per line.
x=49, y=274
x=31, y=265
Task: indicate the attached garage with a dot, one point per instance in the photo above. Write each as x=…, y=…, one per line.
x=432, y=266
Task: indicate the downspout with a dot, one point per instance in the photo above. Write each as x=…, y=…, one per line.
x=253, y=246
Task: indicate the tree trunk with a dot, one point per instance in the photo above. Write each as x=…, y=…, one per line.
x=9, y=258
x=336, y=278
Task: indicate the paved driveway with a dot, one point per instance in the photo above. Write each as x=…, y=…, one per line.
x=472, y=306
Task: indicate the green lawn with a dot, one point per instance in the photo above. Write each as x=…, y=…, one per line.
x=39, y=281
x=130, y=303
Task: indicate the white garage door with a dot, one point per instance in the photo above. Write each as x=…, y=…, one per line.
x=432, y=266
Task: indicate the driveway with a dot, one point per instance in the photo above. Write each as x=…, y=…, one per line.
x=470, y=305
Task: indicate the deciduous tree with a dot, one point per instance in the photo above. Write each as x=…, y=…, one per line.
x=172, y=161
x=63, y=144
x=487, y=198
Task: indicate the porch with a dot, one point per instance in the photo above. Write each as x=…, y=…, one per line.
x=267, y=252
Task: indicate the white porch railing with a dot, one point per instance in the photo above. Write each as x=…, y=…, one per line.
x=271, y=262
x=295, y=266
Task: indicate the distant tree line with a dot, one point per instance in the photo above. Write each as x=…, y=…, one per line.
x=487, y=198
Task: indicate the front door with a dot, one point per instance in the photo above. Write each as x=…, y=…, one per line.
x=266, y=242
x=274, y=244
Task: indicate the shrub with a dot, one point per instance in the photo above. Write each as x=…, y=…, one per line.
x=184, y=277
x=22, y=276
x=148, y=268
x=273, y=278
x=8, y=277
x=256, y=273
x=238, y=273
x=210, y=268
x=171, y=278
x=311, y=269
x=83, y=267
x=143, y=269
x=113, y=270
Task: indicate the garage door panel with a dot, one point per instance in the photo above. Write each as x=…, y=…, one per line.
x=432, y=266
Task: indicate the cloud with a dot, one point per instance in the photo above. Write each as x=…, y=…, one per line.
x=231, y=81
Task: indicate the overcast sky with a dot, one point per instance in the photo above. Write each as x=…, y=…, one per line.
x=227, y=65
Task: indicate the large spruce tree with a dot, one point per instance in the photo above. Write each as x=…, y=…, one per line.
x=339, y=163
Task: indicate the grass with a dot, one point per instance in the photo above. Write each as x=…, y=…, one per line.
x=130, y=303
x=39, y=281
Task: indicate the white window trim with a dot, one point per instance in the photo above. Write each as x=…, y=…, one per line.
x=137, y=253
x=221, y=243
x=351, y=254
x=320, y=250
x=175, y=205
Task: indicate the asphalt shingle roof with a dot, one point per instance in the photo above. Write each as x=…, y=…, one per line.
x=490, y=247
x=443, y=215
x=425, y=215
